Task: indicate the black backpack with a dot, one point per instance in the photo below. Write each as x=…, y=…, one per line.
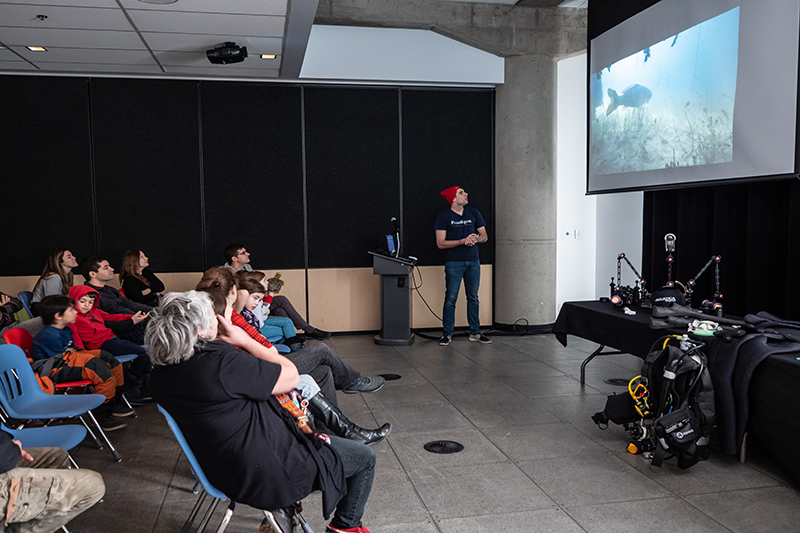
x=681, y=400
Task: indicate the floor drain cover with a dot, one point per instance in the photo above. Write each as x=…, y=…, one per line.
x=619, y=382
x=390, y=377
x=443, y=446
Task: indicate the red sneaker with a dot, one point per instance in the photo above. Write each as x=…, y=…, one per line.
x=331, y=529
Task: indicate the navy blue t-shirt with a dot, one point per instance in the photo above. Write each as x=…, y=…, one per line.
x=457, y=228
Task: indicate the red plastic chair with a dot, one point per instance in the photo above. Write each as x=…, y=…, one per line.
x=21, y=337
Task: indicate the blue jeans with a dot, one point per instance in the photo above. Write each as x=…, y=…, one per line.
x=139, y=366
x=359, y=469
x=454, y=272
x=278, y=325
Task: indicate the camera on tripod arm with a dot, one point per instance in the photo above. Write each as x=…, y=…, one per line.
x=624, y=295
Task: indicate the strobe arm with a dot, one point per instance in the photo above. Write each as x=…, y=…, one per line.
x=639, y=285
x=691, y=283
x=639, y=280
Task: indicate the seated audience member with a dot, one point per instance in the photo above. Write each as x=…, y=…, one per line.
x=8, y=306
x=248, y=304
x=56, y=277
x=38, y=490
x=237, y=258
x=98, y=272
x=248, y=445
x=91, y=328
x=324, y=410
x=270, y=325
x=138, y=281
x=308, y=359
x=56, y=355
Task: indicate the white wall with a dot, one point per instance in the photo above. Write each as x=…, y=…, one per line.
x=576, y=214
x=619, y=230
x=396, y=55
x=610, y=224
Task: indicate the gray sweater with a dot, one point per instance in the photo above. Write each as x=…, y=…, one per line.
x=47, y=287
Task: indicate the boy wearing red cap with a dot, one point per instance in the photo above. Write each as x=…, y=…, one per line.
x=458, y=230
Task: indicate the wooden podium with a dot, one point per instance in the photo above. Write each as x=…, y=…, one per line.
x=395, y=299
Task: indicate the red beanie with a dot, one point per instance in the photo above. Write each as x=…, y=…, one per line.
x=450, y=194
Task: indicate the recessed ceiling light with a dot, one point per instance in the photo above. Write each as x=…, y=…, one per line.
x=158, y=1
x=37, y=48
x=267, y=56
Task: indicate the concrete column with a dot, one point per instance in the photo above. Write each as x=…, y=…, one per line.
x=525, y=191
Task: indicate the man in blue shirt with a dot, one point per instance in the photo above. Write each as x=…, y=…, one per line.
x=458, y=231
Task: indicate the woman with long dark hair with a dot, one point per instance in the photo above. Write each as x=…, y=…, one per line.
x=138, y=281
x=56, y=278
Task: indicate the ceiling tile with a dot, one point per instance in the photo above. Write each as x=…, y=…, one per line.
x=71, y=38
x=203, y=23
x=87, y=55
x=186, y=42
x=63, y=17
x=15, y=65
x=88, y=68
x=187, y=59
x=68, y=3
x=227, y=72
x=252, y=7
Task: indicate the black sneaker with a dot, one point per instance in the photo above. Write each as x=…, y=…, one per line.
x=366, y=384
x=109, y=423
x=480, y=337
x=137, y=396
x=319, y=335
x=445, y=340
x=121, y=410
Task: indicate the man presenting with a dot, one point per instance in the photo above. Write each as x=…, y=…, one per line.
x=458, y=231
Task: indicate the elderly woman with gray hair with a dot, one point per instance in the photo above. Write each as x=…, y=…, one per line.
x=248, y=445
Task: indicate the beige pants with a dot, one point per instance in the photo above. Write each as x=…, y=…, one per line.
x=50, y=495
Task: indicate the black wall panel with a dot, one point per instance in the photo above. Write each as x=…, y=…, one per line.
x=253, y=173
x=448, y=139
x=352, y=173
x=45, y=166
x=301, y=176
x=753, y=228
x=147, y=172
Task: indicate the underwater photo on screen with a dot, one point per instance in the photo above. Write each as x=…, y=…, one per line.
x=669, y=105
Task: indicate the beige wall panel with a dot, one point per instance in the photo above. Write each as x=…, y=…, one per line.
x=350, y=299
x=433, y=291
x=340, y=299
x=15, y=284
x=346, y=299
x=294, y=287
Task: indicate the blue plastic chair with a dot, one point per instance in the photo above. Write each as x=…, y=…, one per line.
x=66, y=437
x=208, y=488
x=23, y=399
x=282, y=348
x=25, y=297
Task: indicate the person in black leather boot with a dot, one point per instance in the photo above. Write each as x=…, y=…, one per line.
x=339, y=424
x=283, y=517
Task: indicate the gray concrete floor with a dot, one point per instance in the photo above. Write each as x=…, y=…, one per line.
x=532, y=461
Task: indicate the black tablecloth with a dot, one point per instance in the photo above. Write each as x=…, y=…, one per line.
x=775, y=410
x=774, y=390
x=606, y=324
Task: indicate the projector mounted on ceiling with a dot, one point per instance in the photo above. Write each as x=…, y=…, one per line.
x=229, y=53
